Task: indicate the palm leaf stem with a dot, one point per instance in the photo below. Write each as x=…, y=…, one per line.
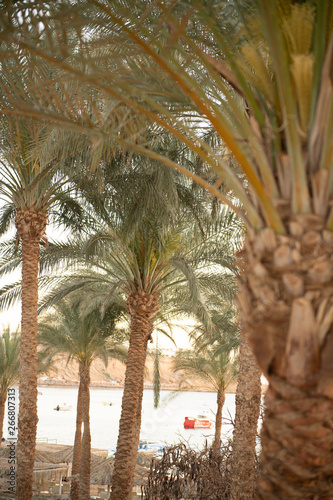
x=300, y=192
x=269, y=210
x=319, y=50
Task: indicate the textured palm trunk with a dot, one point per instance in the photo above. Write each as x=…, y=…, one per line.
x=30, y=226
x=142, y=307
x=248, y=396
x=3, y=398
x=86, y=437
x=75, y=486
x=286, y=301
x=139, y=408
x=218, y=421
x=138, y=420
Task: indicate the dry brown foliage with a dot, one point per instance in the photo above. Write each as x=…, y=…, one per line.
x=184, y=473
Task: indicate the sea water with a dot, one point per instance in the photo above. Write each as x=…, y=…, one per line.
x=164, y=424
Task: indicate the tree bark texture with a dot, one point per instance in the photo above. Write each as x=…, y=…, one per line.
x=30, y=226
x=142, y=307
x=248, y=396
x=218, y=420
x=297, y=444
x=3, y=398
x=286, y=301
x=75, y=486
x=86, y=437
x=139, y=408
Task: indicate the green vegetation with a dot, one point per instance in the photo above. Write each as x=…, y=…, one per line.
x=218, y=370
x=245, y=86
x=81, y=336
x=9, y=367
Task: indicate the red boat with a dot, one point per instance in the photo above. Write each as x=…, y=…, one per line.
x=197, y=423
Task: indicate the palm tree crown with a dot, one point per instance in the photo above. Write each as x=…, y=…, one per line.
x=81, y=337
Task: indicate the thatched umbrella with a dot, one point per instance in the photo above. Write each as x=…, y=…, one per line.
x=4, y=467
x=66, y=455
x=140, y=475
x=40, y=456
x=43, y=470
x=49, y=471
x=47, y=457
x=101, y=473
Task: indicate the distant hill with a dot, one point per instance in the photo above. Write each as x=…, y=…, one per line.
x=114, y=375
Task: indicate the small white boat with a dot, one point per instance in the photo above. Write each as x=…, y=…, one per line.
x=62, y=408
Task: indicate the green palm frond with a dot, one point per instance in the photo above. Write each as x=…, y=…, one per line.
x=10, y=251
x=10, y=295
x=9, y=359
x=7, y=214
x=218, y=371
x=260, y=94
x=80, y=337
x=68, y=283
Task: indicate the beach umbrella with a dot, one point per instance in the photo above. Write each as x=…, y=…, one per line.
x=66, y=455
x=49, y=471
x=40, y=456
x=101, y=472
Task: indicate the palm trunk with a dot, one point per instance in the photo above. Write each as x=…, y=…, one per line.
x=139, y=408
x=138, y=419
x=297, y=444
x=248, y=395
x=218, y=421
x=75, y=486
x=142, y=307
x=3, y=398
x=286, y=300
x=30, y=226
x=86, y=437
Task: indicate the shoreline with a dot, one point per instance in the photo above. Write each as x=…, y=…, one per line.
x=164, y=387
x=105, y=385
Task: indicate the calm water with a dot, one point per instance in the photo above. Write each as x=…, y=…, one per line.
x=164, y=424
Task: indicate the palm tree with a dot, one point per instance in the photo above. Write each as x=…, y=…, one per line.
x=82, y=337
x=242, y=472
x=217, y=342
x=282, y=141
x=139, y=268
x=259, y=73
x=220, y=289
x=9, y=367
x=217, y=370
x=27, y=184
x=32, y=187
x=127, y=241
x=283, y=145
